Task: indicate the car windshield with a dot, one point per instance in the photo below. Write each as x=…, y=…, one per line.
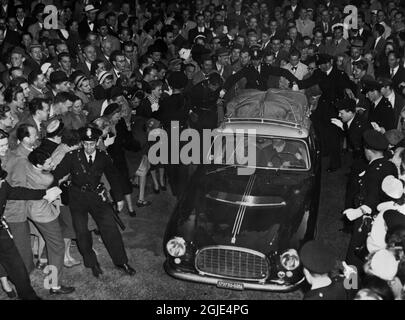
x=261, y=152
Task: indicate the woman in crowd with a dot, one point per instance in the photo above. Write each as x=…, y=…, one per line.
x=123, y=141
x=83, y=89
x=77, y=117
x=6, y=119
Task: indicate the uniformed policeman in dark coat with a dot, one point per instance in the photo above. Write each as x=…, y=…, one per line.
x=333, y=83
x=86, y=166
x=370, y=194
x=318, y=262
x=381, y=112
x=257, y=74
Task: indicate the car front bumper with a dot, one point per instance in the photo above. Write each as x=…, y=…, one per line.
x=195, y=277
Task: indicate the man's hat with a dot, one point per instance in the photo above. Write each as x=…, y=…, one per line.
x=200, y=36
x=357, y=43
x=323, y=58
x=184, y=53
x=222, y=52
x=79, y=80
x=346, y=104
x=256, y=54
x=317, y=257
x=177, y=80
x=111, y=109
x=89, y=133
x=18, y=50
x=35, y=45
x=54, y=128
x=174, y=63
x=370, y=85
x=103, y=76
x=375, y=140
x=90, y=8
x=58, y=77
x=385, y=82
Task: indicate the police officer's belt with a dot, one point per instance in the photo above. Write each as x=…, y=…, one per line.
x=85, y=187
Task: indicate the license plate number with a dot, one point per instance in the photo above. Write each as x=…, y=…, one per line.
x=230, y=285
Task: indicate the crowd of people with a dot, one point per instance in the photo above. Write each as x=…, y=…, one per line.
x=77, y=104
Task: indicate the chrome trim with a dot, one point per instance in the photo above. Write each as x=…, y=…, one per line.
x=236, y=249
x=247, y=204
x=188, y=276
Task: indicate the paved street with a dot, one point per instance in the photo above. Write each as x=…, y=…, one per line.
x=143, y=238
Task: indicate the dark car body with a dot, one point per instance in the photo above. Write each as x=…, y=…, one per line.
x=244, y=231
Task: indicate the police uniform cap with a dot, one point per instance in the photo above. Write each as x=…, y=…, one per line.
x=90, y=133
x=394, y=136
x=346, y=104
x=371, y=85
x=177, y=80
x=111, y=109
x=323, y=58
x=54, y=128
x=375, y=140
x=222, y=52
x=58, y=77
x=317, y=258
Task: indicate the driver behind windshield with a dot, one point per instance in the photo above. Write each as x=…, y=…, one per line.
x=282, y=154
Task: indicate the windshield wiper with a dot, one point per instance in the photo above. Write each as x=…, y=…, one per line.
x=221, y=169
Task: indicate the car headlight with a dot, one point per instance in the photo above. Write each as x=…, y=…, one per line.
x=290, y=260
x=176, y=247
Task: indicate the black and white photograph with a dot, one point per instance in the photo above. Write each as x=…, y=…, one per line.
x=202, y=156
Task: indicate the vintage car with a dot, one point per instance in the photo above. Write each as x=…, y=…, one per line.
x=244, y=231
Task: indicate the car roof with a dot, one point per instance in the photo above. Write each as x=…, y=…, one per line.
x=267, y=127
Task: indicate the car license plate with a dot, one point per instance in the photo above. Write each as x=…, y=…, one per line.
x=230, y=285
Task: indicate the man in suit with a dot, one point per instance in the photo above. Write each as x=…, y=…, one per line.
x=356, y=54
x=318, y=41
x=200, y=29
x=295, y=66
x=102, y=29
x=22, y=21
x=378, y=46
x=396, y=100
x=295, y=8
x=364, y=32
x=90, y=55
x=89, y=22
x=222, y=64
x=353, y=125
x=86, y=165
x=395, y=70
x=381, y=114
x=266, y=40
x=279, y=54
x=341, y=45
x=325, y=24
x=257, y=74
x=333, y=84
x=305, y=26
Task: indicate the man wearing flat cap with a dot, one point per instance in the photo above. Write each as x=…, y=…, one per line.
x=86, y=166
x=223, y=62
x=381, y=114
x=333, y=84
x=370, y=193
x=318, y=262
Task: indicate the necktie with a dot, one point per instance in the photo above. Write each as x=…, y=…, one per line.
x=325, y=27
x=90, y=160
x=345, y=126
x=392, y=73
x=294, y=69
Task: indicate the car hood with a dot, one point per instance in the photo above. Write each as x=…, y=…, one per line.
x=263, y=212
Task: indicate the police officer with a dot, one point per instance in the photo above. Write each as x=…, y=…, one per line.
x=256, y=73
x=318, y=262
x=86, y=166
x=370, y=194
x=333, y=84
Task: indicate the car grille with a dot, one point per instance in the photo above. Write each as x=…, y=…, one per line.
x=232, y=262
